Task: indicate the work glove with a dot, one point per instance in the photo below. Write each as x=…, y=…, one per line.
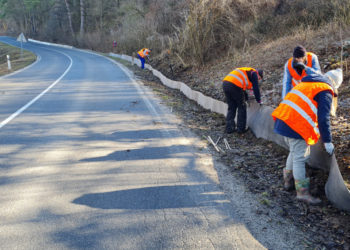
x=299, y=65
x=329, y=147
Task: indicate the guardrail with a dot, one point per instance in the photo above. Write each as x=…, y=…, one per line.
x=51, y=44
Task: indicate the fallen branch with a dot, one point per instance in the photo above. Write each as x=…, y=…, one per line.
x=227, y=145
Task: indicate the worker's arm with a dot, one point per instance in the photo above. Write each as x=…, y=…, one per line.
x=286, y=82
x=324, y=100
x=310, y=70
x=315, y=68
x=255, y=83
x=316, y=64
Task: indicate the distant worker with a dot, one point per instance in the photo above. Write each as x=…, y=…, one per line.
x=234, y=86
x=302, y=117
x=300, y=65
x=142, y=54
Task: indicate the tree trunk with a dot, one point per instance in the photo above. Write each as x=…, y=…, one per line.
x=33, y=20
x=81, y=18
x=101, y=16
x=69, y=18
x=25, y=20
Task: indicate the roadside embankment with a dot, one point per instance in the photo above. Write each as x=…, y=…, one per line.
x=17, y=60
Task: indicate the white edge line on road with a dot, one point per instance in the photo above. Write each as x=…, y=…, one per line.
x=11, y=117
x=126, y=71
x=139, y=89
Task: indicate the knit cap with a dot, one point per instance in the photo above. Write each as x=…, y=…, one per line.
x=299, y=51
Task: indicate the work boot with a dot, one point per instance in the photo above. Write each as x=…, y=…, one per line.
x=229, y=130
x=303, y=194
x=288, y=179
x=242, y=131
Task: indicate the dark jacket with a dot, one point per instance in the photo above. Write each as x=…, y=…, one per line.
x=253, y=77
x=324, y=102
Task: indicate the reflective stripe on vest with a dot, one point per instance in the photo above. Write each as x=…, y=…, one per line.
x=239, y=77
x=303, y=114
x=299, y=110
x=296, y=78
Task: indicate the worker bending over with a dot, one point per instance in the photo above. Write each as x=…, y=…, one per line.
x=235, y=85
x=142, y=54
x=300, y=65
x=302, y=117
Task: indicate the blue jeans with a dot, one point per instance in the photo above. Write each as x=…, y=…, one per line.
x=142, y=61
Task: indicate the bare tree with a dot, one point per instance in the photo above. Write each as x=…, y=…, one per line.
x=69, y=18
x=81, y=17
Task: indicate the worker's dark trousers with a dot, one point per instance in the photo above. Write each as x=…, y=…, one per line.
x=236, y=100
x=142, y=61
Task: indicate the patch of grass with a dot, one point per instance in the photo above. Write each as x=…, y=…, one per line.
x=17, y=62
x=265, y=194
x=265, y=202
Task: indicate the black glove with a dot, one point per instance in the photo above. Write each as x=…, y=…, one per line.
x=299, y=65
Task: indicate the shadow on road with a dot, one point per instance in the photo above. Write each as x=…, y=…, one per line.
x=142, y=154
x=160, y=197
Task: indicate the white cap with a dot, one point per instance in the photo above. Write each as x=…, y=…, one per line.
x=336, y=75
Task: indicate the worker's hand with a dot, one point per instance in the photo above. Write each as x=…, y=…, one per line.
x=329, y=148
x=299, y=65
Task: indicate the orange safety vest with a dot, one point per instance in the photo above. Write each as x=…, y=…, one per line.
x=144, y=52
x=296, y=78
x=299, y=110
x=239, y=77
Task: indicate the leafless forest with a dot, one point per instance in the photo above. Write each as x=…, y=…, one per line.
x=194, y=30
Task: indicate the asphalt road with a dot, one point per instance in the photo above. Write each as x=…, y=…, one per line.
x=90, y=159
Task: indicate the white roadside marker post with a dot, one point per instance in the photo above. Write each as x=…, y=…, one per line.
x=9, y=62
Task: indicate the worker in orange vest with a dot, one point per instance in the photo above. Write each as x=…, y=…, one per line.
x=300, y=65
x=142, y=54
x=234, y=86
x=302, y=118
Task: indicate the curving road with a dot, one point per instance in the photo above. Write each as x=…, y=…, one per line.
x=89, y=159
